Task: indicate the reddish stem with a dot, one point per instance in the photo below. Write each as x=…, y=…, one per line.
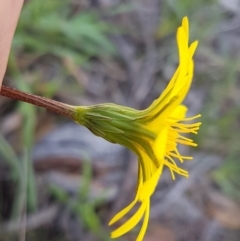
x=52, y=105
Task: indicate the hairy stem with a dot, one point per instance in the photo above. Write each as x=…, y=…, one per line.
x=52, y=105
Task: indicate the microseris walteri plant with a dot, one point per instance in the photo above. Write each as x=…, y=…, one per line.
x=152, y=134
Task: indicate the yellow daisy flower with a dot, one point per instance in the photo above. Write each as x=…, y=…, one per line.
x=152, y=134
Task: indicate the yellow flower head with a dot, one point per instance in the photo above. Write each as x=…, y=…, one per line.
x=152, y=134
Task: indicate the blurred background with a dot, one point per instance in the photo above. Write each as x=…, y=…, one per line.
x=57, y=180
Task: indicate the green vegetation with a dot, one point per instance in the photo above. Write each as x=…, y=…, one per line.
x=70, y=37
x=54, y=28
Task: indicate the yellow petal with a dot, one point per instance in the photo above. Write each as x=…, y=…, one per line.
x=182, y=89
x=123, y=212
x=185, y=26
x=179, y=112
x=193, y=47
x=182, y=48
x=131, y=223
x=150, y=185
x=145, y=222
x=145, y=161
x=160, y=144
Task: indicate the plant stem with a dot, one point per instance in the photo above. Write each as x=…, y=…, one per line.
x=52, y=105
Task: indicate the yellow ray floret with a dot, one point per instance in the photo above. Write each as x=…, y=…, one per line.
x=152, y=134
x=164, y=117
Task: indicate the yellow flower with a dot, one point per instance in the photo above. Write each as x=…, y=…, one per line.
x=152, y=134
